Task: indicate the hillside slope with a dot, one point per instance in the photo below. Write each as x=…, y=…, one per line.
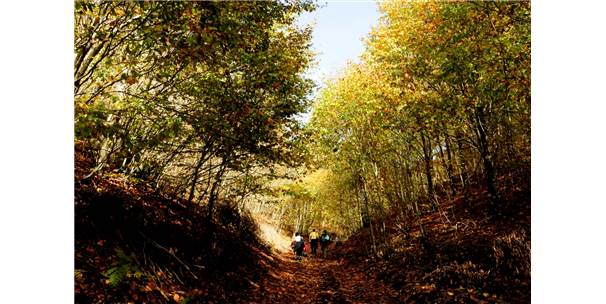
x=134, y=245
x=466, y=255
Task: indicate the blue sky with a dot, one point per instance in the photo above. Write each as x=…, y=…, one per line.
x=338, y=32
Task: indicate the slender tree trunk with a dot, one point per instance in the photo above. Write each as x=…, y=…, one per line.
x=463, y=166
x=512, y=166
x=359, y=212
x=299, y=220
x=195, y=178
x=369, y=224
x=215, y=189
x=365, y=211
x=167, y=161
x=448, y=162
x=427, y=158
x=489, y=171
x=281, y=217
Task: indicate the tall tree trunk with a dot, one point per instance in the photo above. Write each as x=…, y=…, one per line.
x=512, y=166
x=463, y=166
x=214, y=191
x=365, y=211
x=368, y=223
x=448, y=162
x=485, y=155
x=409, y=189
x=427, y=158
x=195, y=178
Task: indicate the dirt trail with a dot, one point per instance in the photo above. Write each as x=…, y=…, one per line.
x=317, y=280
x=314, y=279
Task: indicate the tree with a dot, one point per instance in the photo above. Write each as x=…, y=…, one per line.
x=440, y=98
x=180, y=93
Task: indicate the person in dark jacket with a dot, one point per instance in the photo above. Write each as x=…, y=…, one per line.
x=324, y=242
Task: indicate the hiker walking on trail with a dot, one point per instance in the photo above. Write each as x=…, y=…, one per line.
x=324, y=242
x=298, y=244
x=314, y=237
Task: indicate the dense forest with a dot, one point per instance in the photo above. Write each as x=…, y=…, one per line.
x=194, y=164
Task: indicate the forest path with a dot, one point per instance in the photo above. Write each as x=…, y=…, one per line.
x=318, y=280
x=314, y=279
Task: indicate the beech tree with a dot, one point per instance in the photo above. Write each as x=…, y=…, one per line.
x=182, y=93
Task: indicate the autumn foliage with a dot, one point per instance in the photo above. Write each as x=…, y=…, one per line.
x=418, y=155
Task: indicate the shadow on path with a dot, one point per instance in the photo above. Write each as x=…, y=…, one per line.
x=317, y=280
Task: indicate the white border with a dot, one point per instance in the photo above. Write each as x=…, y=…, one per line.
x=36, y=158
x=568, y=134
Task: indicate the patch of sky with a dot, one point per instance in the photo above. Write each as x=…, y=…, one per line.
x=338, y=31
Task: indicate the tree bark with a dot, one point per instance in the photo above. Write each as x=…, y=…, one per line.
x=449, y=170
x=215, y=189
x=427, y=158
x=195, y=178
x=485, y=155
x=463, y=166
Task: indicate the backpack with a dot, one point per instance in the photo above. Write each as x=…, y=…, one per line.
x=326, y=238
x=298, y=245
